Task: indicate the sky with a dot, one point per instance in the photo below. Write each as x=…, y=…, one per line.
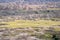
x=2, y=1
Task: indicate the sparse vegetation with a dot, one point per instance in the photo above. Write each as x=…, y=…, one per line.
x=29, y=24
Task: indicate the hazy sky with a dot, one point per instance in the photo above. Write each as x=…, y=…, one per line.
x=31, y=0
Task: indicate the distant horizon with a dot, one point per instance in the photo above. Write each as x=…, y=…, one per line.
x=4, y=1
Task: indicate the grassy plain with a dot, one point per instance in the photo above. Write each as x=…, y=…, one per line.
x=29, y=23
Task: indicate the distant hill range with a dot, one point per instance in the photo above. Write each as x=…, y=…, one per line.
x=29, y=4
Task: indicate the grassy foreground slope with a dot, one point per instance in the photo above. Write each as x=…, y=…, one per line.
x=22, y=25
